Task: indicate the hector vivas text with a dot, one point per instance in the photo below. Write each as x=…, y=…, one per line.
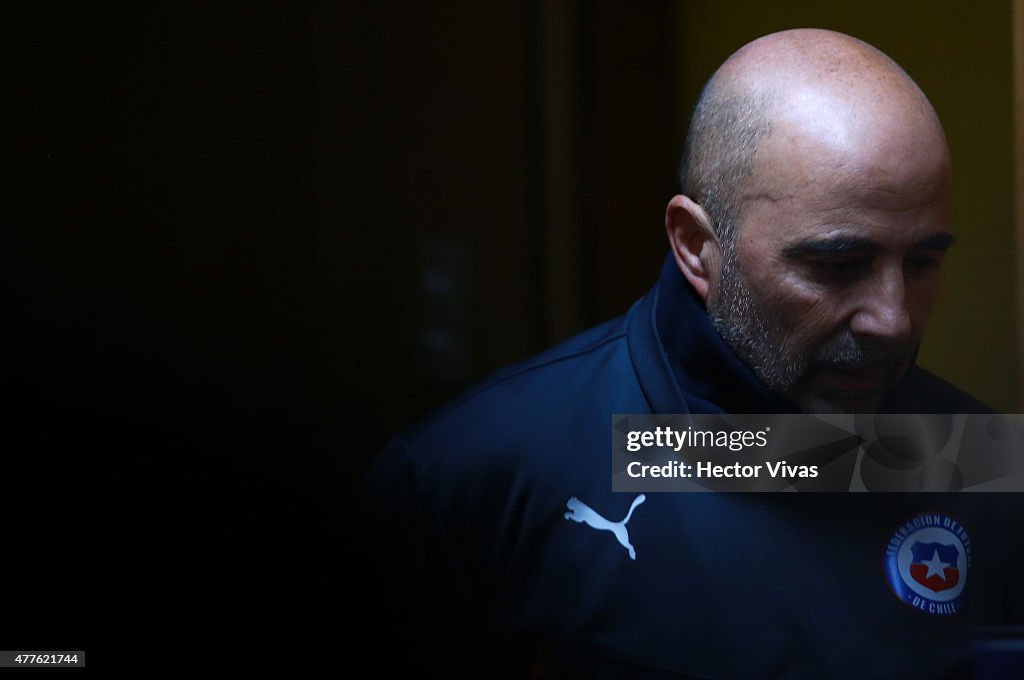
x=709, y=441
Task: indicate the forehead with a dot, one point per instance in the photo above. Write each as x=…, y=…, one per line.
x=890, y=217
x=831, y=177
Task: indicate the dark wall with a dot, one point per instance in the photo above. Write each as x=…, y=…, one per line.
x=261, y=240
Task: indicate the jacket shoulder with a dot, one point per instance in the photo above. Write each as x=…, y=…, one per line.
x=541, y=381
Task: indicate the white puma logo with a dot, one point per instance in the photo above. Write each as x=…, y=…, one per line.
x=581, y=512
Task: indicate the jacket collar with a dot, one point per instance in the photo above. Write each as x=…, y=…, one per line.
x=683, y=365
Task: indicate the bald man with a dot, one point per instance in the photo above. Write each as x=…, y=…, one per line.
x=805, y=254
x=815, y=214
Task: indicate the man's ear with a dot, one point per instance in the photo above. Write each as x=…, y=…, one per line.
x=694, y=244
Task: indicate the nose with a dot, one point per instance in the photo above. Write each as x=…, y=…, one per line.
x=882, y=311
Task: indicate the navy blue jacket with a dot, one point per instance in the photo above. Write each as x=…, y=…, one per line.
x=472, y=563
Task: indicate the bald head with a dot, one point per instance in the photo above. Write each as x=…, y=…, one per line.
x=804, y=91
x=815, y=212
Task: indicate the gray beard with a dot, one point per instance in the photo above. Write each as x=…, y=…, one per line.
x=747, y=330
x=785, y=369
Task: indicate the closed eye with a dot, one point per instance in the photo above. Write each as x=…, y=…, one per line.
x=837, y=270
x=922, y=264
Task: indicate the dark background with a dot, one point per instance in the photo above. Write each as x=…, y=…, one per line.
x=262, y=239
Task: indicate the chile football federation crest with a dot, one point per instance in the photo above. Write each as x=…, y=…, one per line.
x=926, y=563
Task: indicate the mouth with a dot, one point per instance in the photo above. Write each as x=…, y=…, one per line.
x=861, y=383
x=852, y=382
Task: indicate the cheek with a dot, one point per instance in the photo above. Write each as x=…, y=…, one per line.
x=804, y=313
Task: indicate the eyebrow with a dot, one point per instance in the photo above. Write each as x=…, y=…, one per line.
x=849, y=244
